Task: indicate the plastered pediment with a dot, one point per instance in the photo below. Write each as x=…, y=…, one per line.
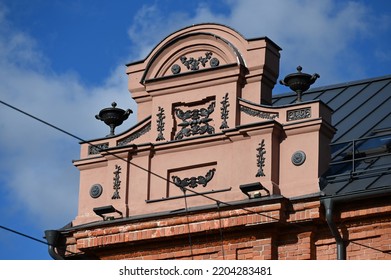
x=189, y=53
x=200, y=60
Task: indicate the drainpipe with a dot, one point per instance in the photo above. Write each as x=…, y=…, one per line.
x=52, y=238
x=341, y=249
x=330, y=202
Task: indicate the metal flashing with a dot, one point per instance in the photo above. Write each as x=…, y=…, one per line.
x=182, y=211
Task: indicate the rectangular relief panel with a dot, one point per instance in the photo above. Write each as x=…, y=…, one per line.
x=194, y=119
x=196, y=177
x=298, y=114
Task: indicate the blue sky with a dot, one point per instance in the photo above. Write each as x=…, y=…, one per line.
x=63, y=61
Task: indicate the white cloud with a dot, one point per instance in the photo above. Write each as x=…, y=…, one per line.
x=321, y=36
x=36, y=160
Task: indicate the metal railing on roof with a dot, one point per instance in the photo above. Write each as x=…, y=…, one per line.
x=366, y=156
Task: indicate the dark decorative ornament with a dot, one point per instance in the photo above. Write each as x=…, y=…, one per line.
x=96, y=191
x=214, y=62
x=175, y=69
x=113, y=117
x=298, y=158
x=259, y=114
x=299, y=82
x=194, y=64
x=194, y=181
x=195, y=122
x=224, y=111
x=298, y=114
x=117, y=182
x=135, y=135
x=160, y=124
x=261, y=159
x=96, y=149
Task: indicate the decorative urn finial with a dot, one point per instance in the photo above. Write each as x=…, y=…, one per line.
x=113, y=117
x=299, y=82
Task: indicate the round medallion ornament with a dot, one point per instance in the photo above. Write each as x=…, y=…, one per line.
x=96, y=190
x=214, y=62
x=175, y=69
x=298, y=158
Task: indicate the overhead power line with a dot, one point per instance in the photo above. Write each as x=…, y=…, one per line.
x=23, y=235
x=41, y=121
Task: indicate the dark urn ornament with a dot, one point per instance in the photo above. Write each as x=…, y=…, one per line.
x=299, y=82
x=113, y=117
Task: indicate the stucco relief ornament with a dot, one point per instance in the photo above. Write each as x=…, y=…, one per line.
x=97, y=148
x=160, y=124
x=195, y=122
x=194, y=64
x=96, y=190
x=135, y=135
x=214, y=62
x=175, y=69
x=117, y=182
x=299, y=114
x=259, y=114
x=261, y=159
x=194, y=181
x=298, y=158
x=224, y=111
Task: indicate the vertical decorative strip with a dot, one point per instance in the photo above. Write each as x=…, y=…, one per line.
x=160, y=124
x=117, y=182
x=224, y=111
x=260, y=158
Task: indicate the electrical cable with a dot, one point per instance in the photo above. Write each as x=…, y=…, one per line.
x=188, y=224
x=221, y=231
x=27, y=236
x=23, y=234
x=40, y=120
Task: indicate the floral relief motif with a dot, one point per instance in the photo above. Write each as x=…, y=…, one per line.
x=261, y=158
x=117, y=182
x=194, y=64
x=224, y=112
x=195, y=122
x=194, y=181
x=259, y=114
x=134, y=136
x=160, y=124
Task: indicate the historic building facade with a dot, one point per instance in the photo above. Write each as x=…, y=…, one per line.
x=218, y=168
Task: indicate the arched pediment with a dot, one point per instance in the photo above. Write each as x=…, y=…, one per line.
x=203, y=58
x=191, y=52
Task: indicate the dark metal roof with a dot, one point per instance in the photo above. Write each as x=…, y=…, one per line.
x=361, y=147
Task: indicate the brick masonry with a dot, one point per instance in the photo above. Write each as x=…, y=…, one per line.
x=281, y=230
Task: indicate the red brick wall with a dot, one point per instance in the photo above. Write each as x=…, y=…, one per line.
x=301, y=233
x=298, y=246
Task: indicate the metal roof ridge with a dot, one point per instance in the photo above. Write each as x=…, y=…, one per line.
x=335, y=86
x=266, y=106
